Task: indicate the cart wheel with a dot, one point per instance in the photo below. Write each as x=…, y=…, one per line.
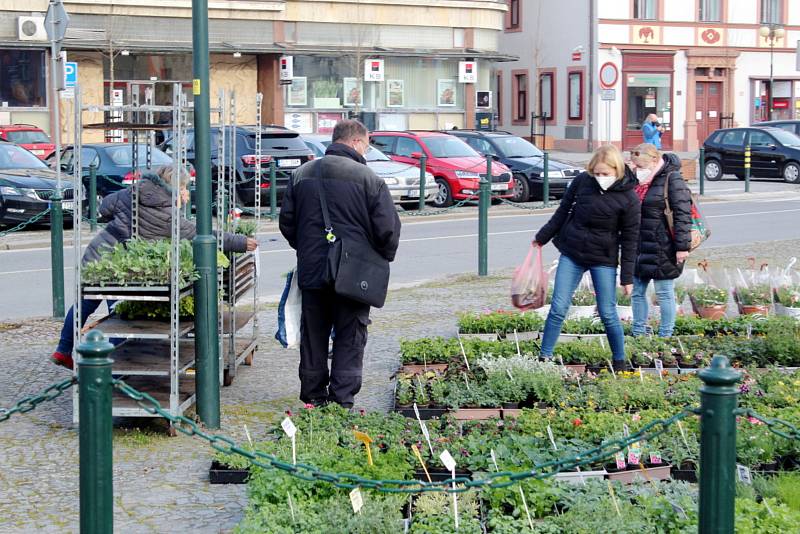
x=227, y=378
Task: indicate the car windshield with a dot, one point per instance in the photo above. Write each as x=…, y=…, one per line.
x=449, y=147
x=27, y=137
x=373, y=154
x=14, y=157
x=516, y=147
x=786, y=138
x=121, y=156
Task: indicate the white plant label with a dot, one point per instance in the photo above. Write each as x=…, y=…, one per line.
x=466, y=381
x=427, y=435
x=291, y=506
x=525, y=505
x=552, y=438
x=683, y=435
x=743, y=472
x=625, y=430
x=288, y=426
x=247, y=433
x=561, y=360
x=641, y=375
x=580, y=389
x=464, y=353
x=659, y=368
x=619, y=458
x=357, y=500
x=611, y=368
x=448, y=461
x=749, y=331
x=494, y=460
x=416, y=411
x=510, y=376
x=516, y=340
x=655, y=458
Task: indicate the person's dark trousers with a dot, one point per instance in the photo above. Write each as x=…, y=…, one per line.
x=88, y=307
x=322, y=310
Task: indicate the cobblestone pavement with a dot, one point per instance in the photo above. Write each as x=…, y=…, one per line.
x=161, y=483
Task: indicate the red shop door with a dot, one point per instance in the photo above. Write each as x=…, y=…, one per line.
x=708, y=108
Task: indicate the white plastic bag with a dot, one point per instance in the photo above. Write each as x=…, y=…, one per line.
x=289, y=312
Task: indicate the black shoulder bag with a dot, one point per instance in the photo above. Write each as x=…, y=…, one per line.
x=355, y=269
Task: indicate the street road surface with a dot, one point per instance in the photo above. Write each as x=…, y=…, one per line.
x=429, y=249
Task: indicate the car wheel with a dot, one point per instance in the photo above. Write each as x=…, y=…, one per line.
x=522, y=192
x=713, y=170
x=444, y=197
x=791, y=173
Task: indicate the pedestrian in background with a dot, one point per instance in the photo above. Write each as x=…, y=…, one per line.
x=597, y=218
x=662, y=254
x=652, y=130
x=155, y=222
x=360, y=209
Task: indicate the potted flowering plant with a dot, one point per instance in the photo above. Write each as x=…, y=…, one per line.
x=754, y=299
x=787, y=300
x=709, y=302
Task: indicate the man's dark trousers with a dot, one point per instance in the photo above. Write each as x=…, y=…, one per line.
x=323, y=310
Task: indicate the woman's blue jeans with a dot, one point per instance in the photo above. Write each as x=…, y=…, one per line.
x=568, y=276
x=665, y=293
x=88, y=307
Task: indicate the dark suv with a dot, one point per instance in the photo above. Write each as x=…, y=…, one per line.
x=774, y=153
x=278, y=144
x=788, y=125
x=525, y=161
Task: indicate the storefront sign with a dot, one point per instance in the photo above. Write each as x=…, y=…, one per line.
x=327, y=121
x=467, y=72
x=373, y=70
x=287, y=67
x=780, y=104
x=299, y=122
x=608, y=94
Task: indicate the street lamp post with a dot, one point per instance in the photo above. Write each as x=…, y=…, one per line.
x=771, y=33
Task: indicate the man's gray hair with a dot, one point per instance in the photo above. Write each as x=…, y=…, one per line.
x=347, y=129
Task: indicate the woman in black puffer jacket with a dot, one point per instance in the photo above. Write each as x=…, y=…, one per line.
x=598, y=218
x=155, y=222
x=661, y=255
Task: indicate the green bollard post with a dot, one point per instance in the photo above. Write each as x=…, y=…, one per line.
x=92, y=197
x=423, y=164
x=273, y=191
x=546, y=180
x=747, y=169
x=718, y=400
x=484, y=199
x=96, y=460
x=57, y=253
x=702, y=171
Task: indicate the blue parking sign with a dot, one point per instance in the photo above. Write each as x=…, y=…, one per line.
x=70, y=74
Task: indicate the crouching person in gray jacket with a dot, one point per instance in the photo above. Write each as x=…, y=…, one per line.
x=155, y=222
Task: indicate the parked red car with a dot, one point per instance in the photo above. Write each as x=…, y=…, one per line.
x=456, y=167
x=30, y=137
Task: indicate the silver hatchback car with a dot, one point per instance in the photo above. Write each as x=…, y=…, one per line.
x=401, y=179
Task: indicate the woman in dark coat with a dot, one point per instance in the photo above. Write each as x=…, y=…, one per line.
x=598, y=218
x=155, y=222
x=661, y=255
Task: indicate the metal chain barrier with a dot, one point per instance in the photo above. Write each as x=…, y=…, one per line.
x=439, y=211
x=227, y=445
x=33, y=220
x=535, y=207
x=31, y=402
x=779, y=427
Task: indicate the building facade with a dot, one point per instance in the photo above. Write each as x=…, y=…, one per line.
x=697, y=64
x=125, y=48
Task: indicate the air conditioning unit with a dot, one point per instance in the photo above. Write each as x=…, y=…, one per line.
x=31, y=29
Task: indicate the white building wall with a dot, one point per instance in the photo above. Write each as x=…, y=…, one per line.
x=679, y=82
x=743, y=11
x=613, y=33
x=678, y=36
x=613, y=9
x=756, y=65
x=793, y=16
x=739, y=37
x=679, y=10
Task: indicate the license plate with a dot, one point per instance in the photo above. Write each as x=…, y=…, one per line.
x=288, y=163
x=499, y=187
x=68, y=205
x=413, y=193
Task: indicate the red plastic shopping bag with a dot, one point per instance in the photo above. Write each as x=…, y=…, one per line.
x=529, y=285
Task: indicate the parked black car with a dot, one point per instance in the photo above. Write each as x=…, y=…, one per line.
x=26, y=186
x=774, y=153
x=524, y=159
x=788, y=125
x=280, y=144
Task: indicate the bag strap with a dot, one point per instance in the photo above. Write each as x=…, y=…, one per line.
x=323, y=202
x=667, y=207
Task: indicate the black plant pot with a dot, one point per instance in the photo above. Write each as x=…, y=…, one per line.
x=440, y=473
x=224, y=474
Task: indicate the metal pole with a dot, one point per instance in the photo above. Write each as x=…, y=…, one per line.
x=702, y=171
x=273, y=191
x=92, y=197
x=205, y=244
x=484, y=199
x=747, y=169
x=423, y=164
x=771, y=80
x=546, y=180
x=96, y=459
x=718, y=400
x=56, y=208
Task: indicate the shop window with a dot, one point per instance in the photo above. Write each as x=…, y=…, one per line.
x=22, y=83
x=513, y=15
x=520, y=92
x=575, y=95
x=710, y=11
x=771, y=12
x=647, y=93
x=644, y=9
x=546, y=92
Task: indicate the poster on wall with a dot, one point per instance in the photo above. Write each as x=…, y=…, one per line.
x=353, y=92
x=327, y=121
x=300, y=122
x=298, y=92
x=446, y=91
x=483, y=99
x=395, y=94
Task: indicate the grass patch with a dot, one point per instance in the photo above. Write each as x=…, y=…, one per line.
x=139, y=438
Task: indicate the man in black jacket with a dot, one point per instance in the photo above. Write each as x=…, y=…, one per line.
x=361, y=209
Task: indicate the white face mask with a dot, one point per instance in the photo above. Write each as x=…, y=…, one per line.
x=605, y=181
x=644, y=175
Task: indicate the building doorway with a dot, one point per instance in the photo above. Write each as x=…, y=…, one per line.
x=708, y=108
